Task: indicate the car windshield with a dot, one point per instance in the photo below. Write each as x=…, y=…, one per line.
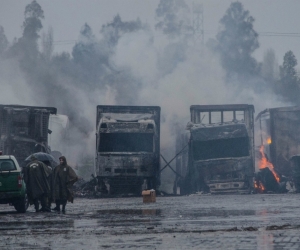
x=7, y=165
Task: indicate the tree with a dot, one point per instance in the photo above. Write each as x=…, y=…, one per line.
x=85, y=49
x=289, y=81
x=26, y=47
x=3, y=40
x=173, y=18
x=47, y=44
x=114, y=30
x=89, y=57
x=32, y=24
x=237, y=41
x=288, y=72
x=269, y=70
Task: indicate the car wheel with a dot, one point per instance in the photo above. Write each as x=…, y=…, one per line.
x=22, y=204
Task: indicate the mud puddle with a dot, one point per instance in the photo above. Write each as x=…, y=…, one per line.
x=129, y=212
x=21, y=225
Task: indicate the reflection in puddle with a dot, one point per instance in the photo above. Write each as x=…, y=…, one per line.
x=265, y=241
x=266, y=212
x=223, y=213
x=264, y=215
x=18, y=225
x=130, y=211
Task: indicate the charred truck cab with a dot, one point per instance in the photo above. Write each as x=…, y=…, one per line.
x=128, y=147
x=219, y=157
x=24, y=130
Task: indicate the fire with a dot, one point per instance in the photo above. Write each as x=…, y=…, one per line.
x=265, y=163
x=269, y=141
x=258, y=185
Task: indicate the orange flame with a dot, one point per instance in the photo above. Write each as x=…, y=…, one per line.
x=265, y=163
x=258, y=185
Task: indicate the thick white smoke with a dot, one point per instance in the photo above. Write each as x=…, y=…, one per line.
x=197, y=80
x=13, y=84
x=172, y=74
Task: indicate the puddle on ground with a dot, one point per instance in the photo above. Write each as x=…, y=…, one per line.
x=222, y=213
x=18, y=225
x=267, y=212
x=130, y=212
x=228, y=213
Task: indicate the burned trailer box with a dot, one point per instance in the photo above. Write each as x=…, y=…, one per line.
x=24, y=130
x=280, y=137
x=219, y=157
x=128, y=147
x=295, y=172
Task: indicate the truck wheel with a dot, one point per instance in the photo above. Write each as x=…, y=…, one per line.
x=22, y=204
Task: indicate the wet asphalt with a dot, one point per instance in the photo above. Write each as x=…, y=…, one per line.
x=260, y=221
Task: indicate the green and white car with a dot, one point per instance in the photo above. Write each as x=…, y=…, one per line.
x=12, y=185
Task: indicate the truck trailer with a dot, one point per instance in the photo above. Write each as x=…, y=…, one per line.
x=280, y=137
x=128, y=148
x=24, y=130
x=217, y=150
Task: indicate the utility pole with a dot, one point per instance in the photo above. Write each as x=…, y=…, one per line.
x=198, y=31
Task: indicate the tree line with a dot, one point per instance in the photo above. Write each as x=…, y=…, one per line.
x=90, y=66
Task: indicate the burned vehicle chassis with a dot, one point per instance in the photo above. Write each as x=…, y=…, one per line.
x=24, y=130
x=220, y=153
x=128, y=148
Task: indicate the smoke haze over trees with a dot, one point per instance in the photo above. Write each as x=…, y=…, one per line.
x=133, y=63
x=289, y=81
x=3, y=41
x=236, y=43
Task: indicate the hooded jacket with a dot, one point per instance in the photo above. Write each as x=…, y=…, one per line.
x=63, y=179
x=37, y=177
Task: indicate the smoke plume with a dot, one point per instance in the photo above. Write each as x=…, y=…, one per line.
x=128, y=63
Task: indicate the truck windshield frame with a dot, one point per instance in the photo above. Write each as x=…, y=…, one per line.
x=222, y=148
x=126, y=142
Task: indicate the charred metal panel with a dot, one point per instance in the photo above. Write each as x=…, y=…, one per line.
x=133, y=164
x=220, y=131
x=221, y=149
x=281, y=125
x=24, y=130
x=295, y=167
x=128, y=145
x=224, y=171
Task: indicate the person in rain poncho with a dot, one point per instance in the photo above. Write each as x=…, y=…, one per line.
x=63, y=179
x=37, y=177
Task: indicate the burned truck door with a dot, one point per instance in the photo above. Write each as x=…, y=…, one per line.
x=220, y=154
x=128, y=147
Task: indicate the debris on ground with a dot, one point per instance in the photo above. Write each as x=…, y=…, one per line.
x=90, y=189
x=266, y=181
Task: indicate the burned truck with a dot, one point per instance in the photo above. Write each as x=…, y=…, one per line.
x=128, y=148
x=24, y=130
x=280, y=138
x=217, y=150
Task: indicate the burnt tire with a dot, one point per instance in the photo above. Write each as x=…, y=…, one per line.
x=22, y=204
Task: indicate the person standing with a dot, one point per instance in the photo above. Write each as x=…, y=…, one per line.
x=37, y=177
x=63, y=179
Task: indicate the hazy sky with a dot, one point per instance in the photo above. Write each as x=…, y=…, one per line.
x=276, y=21
x=163, y=79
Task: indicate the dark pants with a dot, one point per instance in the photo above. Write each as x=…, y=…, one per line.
x=61, y=202
x=43, y=199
